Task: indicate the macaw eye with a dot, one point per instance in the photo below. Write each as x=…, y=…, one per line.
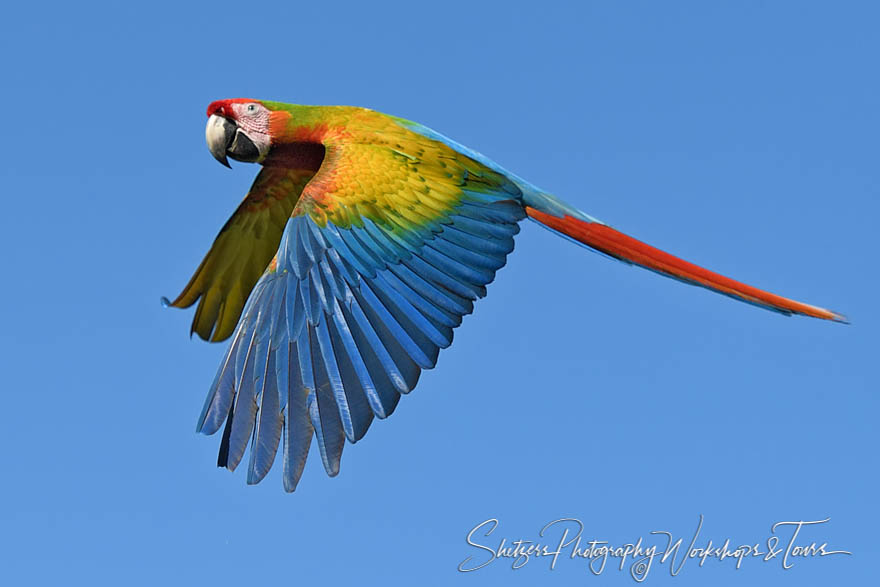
x=251, y=108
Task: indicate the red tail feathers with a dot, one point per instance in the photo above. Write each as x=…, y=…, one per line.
x=611, y=242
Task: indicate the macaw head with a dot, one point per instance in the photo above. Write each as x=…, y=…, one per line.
x=238, y=128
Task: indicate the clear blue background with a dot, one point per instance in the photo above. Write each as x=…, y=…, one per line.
x=740, y=135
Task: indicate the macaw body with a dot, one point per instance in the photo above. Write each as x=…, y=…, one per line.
x=362, y=243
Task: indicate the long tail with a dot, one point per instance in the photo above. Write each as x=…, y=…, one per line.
x=574, y=224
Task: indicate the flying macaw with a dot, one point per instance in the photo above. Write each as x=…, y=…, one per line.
x=363, y=241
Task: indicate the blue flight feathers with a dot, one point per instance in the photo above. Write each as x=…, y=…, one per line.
x=344, y=325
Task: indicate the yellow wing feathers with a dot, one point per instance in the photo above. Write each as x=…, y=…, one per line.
x=241, y=252
x=392, y=176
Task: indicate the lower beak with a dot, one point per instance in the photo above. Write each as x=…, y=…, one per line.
x=224, y=138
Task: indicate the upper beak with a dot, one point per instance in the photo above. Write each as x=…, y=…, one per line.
x=219, y=134
x=224, y=137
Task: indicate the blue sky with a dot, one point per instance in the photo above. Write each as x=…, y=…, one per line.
x=742, y=136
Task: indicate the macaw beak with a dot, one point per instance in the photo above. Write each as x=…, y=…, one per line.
x=224, y=137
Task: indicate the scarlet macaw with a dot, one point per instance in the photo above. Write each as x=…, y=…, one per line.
x=363, y=241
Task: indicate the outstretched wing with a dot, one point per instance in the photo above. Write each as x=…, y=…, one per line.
x=241, y=252
x=388, y=247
